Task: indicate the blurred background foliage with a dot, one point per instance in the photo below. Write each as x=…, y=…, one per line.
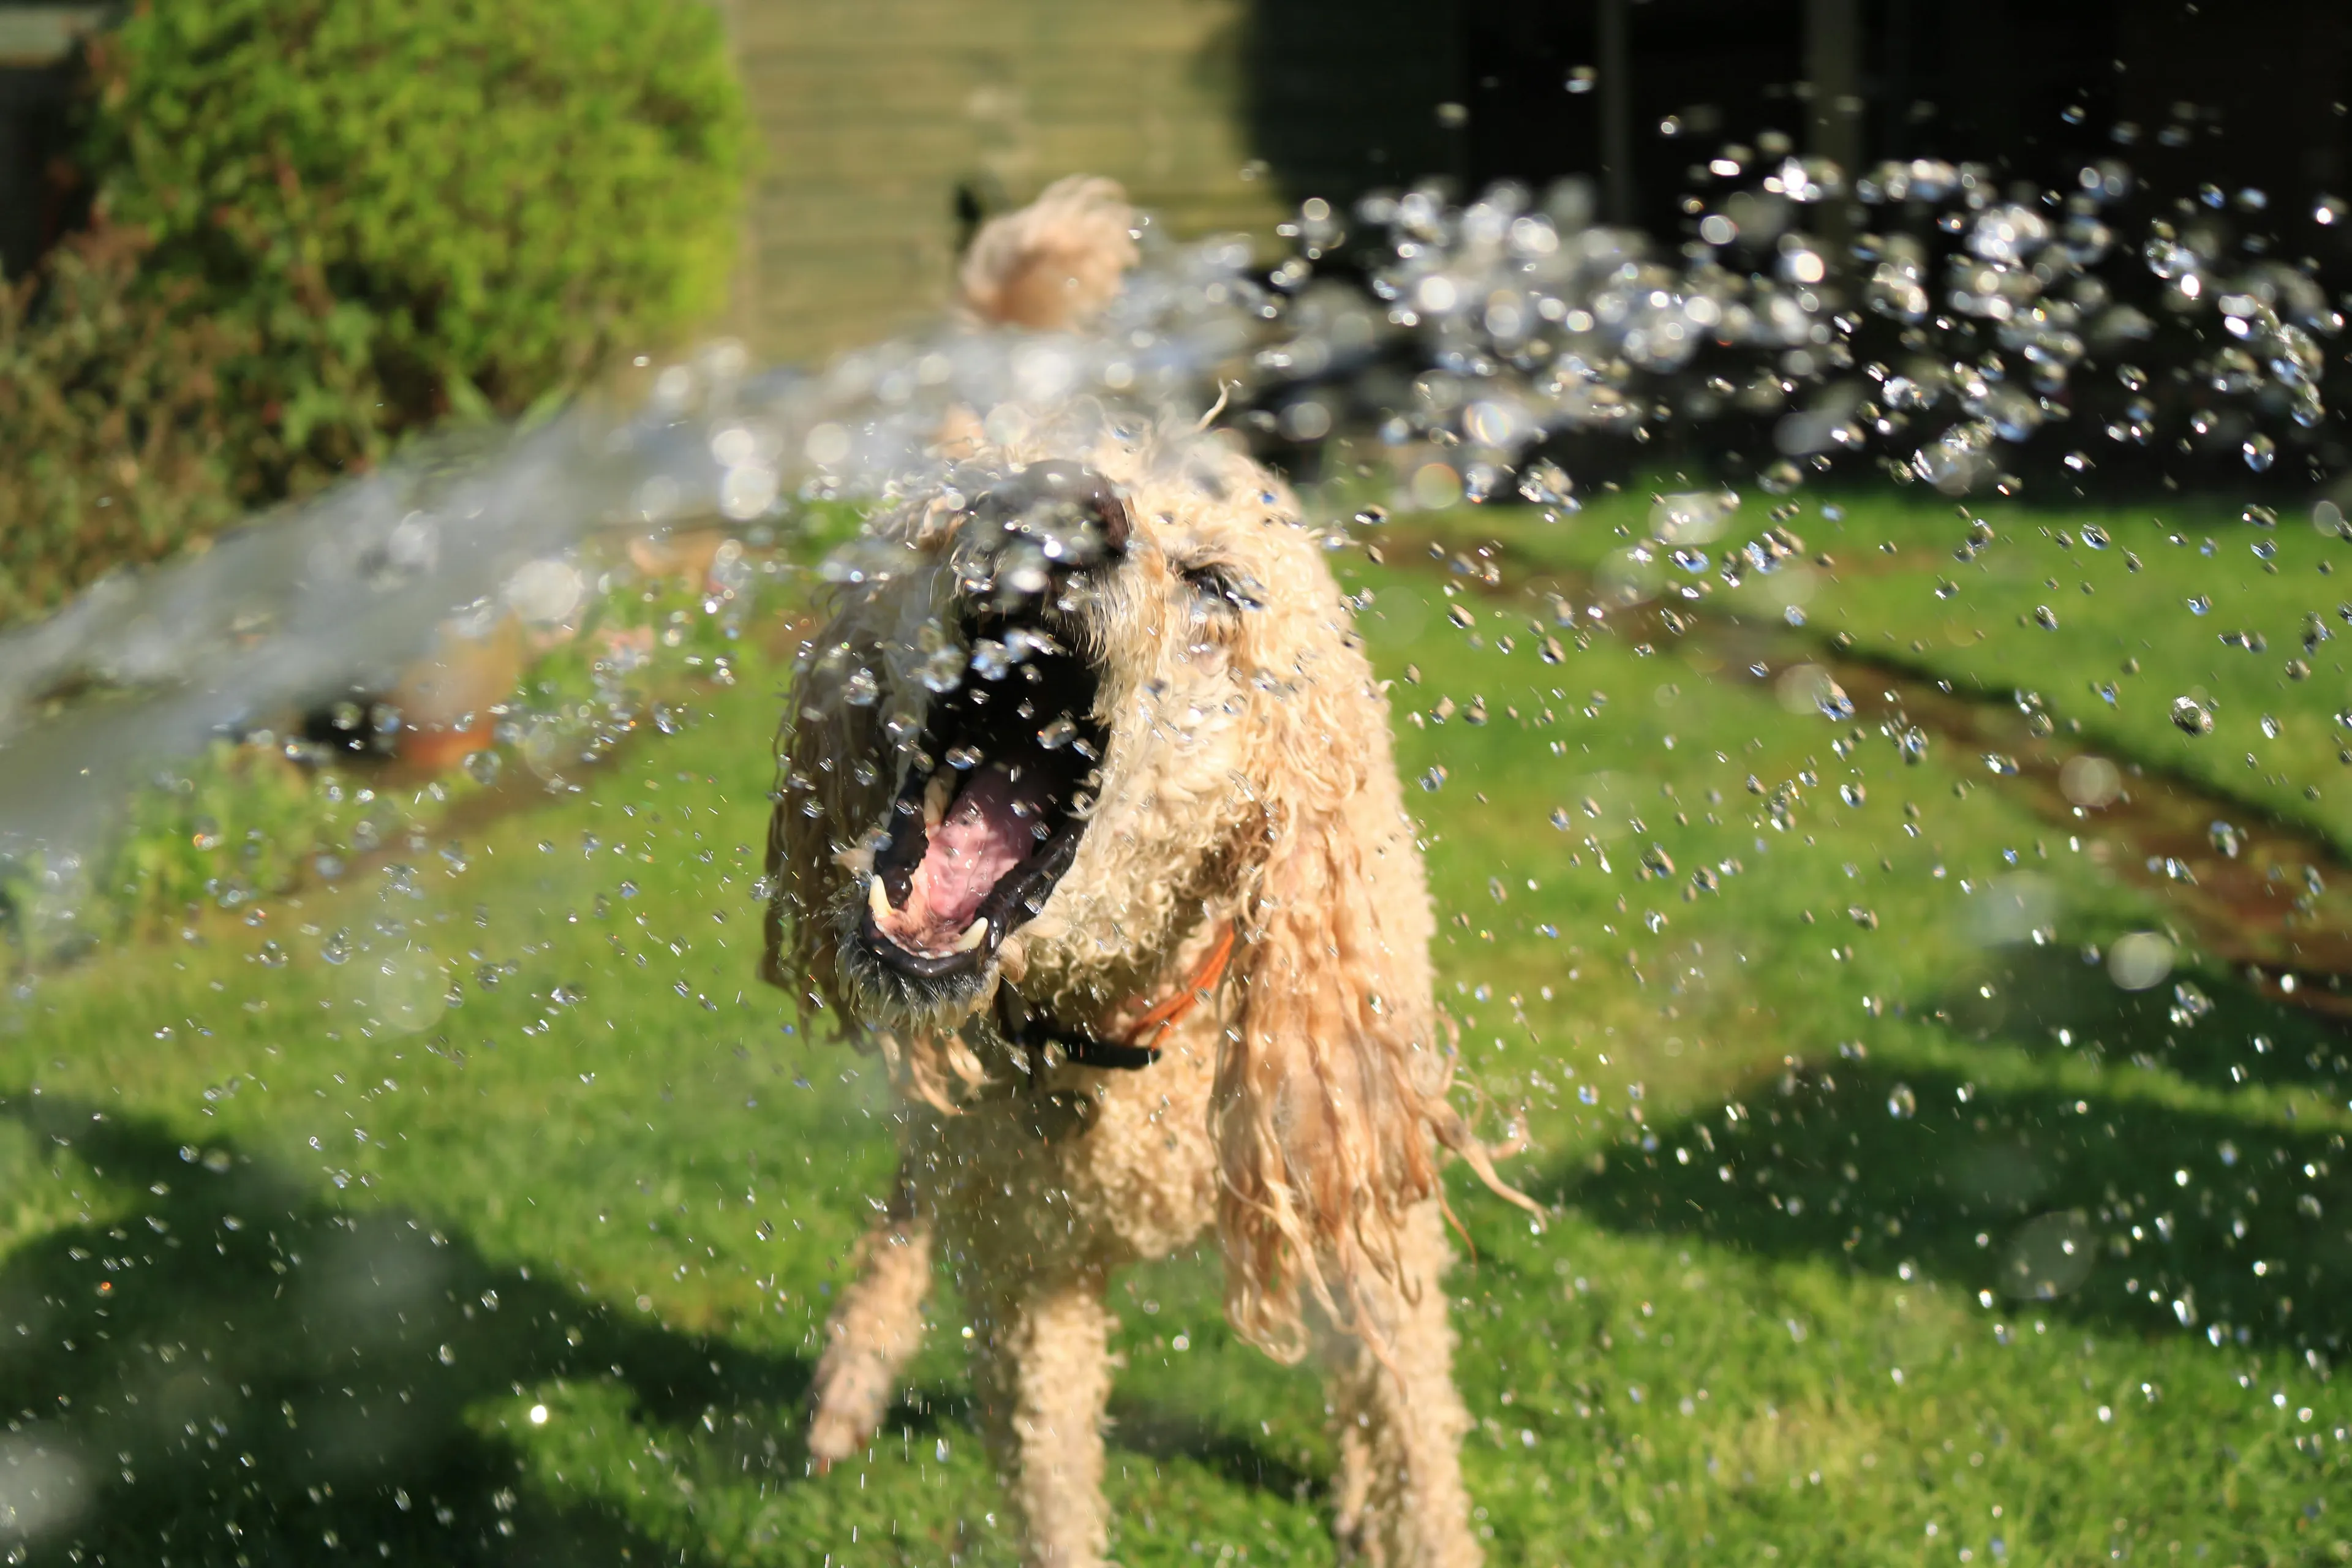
x=114, y=417
x=403, y=212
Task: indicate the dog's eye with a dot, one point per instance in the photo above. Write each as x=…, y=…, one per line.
x=1224, y=588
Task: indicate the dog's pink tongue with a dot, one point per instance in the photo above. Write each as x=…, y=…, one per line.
x=969, y=851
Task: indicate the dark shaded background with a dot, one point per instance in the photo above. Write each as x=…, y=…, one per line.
x=1340, y=97
x=2251, y=92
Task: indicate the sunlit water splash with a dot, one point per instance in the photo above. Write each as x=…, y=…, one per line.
x=1465, y=338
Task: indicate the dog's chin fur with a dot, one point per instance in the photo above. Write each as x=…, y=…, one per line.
x=887, y=997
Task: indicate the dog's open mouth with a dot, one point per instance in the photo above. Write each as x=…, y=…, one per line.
x=991, y=814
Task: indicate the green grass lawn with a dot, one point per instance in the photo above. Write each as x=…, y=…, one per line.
x=2107, y=626
x=493, y=1212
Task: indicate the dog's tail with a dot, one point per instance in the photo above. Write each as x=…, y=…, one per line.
x=1054, y=262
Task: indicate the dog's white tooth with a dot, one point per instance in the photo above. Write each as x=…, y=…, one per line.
x=973, y=935
x=878, y=900
x=935, y=797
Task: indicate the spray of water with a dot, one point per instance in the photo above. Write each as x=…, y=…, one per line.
x=1463, y=338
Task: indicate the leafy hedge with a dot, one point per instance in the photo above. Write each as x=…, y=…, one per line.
x=113, y=440
x=349, y=219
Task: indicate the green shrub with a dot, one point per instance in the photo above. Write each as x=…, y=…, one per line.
x=113, y=443
x=418, y=207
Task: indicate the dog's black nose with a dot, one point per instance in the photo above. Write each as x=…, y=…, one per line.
x=1070, y=512
x=1035, y=531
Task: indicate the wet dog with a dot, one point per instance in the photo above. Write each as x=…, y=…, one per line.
x=1088, y=819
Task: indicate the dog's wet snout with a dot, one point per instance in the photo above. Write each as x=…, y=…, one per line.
x=1040, y=526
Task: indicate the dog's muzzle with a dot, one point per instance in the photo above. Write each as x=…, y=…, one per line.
x=996, y=791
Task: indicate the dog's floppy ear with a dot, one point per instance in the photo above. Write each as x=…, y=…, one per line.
x=1331, y=1089
x=818, y=798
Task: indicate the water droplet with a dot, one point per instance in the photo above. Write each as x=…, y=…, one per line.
x=2139, y=960
x=1544, y=483
x=1901, y=1103
x=2049, y=1257
x=411, y=991
x=2192, y=717
x=990, y=659
x=2089, y=780
x=943, y=670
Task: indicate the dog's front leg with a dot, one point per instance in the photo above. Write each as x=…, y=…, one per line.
x=1042, y=1372
x=1400, y=1499
x=875, y=1328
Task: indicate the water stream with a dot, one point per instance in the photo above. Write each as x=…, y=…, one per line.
x=1465, y=337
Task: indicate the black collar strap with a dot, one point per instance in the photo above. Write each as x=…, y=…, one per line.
x=1033, y=1034
x=1140, y=1049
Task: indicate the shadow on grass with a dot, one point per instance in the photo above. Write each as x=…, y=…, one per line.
x=1157, y=1433
x=2117, y=1213
x=2211, y=1028
x=242, y=1373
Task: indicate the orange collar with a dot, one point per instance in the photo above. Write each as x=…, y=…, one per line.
x=1171, y=1012
x=1140, y=1047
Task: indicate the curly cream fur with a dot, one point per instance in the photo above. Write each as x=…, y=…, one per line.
x=1301, y=1107
x=1055, y=261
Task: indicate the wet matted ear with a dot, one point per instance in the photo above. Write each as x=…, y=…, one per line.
x=1331, y=1089
x=831, y=763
